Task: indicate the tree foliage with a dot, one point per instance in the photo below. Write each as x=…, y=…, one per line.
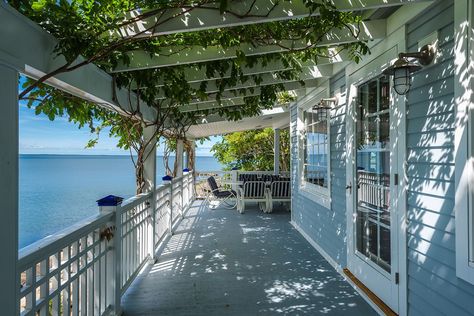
x=252, y=150
x=91, y=31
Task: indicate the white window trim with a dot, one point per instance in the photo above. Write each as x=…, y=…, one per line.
x=464, y=144
x=313, y=192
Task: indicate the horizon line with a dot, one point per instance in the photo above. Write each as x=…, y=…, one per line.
x=122, y=155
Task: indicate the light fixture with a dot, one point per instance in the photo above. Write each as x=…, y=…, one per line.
x=322, y=108
x=326, y=103
x=402, y=69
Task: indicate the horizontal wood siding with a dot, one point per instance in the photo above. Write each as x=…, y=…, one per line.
x=327, y=227
x=433, y=288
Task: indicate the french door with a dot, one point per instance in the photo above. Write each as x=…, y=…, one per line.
x=373, y=185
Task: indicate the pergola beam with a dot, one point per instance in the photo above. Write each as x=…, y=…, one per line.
x=142, y=60
x=267, y=79
x=87, y=82
x=181, y=20
x=173, y=56
x=232, y=97
x=234, y=100
x=212, y=105
x=195, y=75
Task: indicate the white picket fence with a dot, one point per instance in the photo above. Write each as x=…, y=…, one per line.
x=85, y=269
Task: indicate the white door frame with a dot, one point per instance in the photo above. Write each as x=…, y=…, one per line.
x=366, y=71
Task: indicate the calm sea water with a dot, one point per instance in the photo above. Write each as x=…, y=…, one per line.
x=59, y=190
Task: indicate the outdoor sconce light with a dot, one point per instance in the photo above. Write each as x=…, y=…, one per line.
x=402, y=69
x=326, y=103
x=323, y=107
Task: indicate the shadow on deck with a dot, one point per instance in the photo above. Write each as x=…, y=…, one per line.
x=220, y=262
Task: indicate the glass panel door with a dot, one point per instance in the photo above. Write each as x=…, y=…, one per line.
x=373, y=173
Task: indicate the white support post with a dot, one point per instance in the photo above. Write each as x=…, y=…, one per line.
x=192, y=167
x=9, y=278
x=118, y=258
x=276, y=151
x=149, y=170
x=169, y=184
x=185, y=159
x=179, y=157
x=113, y=262
x=150, y=158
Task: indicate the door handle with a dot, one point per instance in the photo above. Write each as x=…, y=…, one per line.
x=349, y=187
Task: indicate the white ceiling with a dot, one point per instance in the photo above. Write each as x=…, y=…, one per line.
x=274, y=120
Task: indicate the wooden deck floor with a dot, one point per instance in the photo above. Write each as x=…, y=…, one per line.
x=220, y=262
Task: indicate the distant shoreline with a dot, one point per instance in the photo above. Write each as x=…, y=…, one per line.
x=93, y=155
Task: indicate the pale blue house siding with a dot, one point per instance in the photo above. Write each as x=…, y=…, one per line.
x=327, y=227
x=433, y=288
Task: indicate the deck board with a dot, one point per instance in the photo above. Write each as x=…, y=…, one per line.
x=220, y=262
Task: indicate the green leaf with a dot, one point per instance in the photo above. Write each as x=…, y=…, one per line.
x=91, y=143
x=38, y=5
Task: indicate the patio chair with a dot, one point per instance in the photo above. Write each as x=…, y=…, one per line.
x=216, y=197
x=251, y=191
x=244, y=177
x=279, y=191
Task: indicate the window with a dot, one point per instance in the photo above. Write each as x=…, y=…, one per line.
x=315, y=147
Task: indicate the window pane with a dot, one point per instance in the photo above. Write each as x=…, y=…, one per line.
x=384, y=128
x=368, y=98
x=315, y=147
x=367, y=130
x=384, y=93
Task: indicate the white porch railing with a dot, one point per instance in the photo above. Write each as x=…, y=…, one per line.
x=85, y=269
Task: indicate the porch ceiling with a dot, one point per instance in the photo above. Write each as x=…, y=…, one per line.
x=277, y=118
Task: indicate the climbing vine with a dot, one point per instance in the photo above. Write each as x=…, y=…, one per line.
x=91, y=31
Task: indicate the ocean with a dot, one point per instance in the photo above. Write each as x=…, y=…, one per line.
x=59, y=190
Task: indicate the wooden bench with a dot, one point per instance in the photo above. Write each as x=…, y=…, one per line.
x=251, y=191
x=279, y=191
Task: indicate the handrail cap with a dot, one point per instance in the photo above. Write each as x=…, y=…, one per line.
x=110, y=200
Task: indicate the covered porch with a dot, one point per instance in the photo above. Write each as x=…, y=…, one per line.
x=219, y=262
x=162, y=252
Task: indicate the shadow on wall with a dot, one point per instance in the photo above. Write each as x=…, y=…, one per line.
x=431, y=126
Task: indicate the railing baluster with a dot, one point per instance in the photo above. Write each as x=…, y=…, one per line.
x=81, y=273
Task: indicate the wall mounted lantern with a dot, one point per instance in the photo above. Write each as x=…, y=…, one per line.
x=402, y=69
x=326, y=103
x=322, y=108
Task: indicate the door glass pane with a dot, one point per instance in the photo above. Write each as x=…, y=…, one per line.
x=368, y=97
x=373, y=173
x=384, y=93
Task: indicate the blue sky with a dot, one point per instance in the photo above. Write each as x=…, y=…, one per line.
x=38, y=135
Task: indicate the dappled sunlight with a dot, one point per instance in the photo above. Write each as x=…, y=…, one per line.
x=224, y=262
x=432, y=121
